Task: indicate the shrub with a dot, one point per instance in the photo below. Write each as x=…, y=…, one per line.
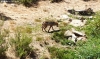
x=56, y=1
x=28, y=3
x=86, y=0
x=21, y=43
x=93, y=27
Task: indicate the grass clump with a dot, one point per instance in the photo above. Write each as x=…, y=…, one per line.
x=37, y=28
x=25, y=29
x=21, y=43
x=58, y=53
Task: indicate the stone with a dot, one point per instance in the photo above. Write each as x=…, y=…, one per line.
x=74, y=35
x=77, y=22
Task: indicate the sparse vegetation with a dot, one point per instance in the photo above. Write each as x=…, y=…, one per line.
x=38, y=20
x=39, y=38
x=24, y=29
x=37, y=28
x=3, y=46
x=58, y=53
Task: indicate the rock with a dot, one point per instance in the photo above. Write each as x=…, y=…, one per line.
x=81, y=38
x=74, y=38
x=70, y=36
x=77, y=33
x=62, y=17
x=68, y=33
x=74, y=35
x=77, y=22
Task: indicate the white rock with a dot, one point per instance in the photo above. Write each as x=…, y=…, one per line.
x=68, y=33
x=64, y=17
x=77, y=32
x=71, y=35
x=77, y=23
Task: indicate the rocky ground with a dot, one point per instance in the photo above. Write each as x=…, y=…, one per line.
x=21, y=15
